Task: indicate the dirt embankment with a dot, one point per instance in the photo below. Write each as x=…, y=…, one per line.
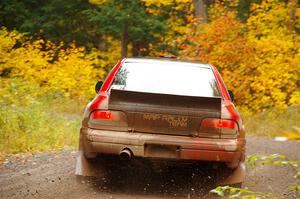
x=51, y=175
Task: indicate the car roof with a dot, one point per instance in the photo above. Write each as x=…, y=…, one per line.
x=166, y=61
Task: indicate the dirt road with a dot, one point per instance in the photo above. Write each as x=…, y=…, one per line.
x=51, y=175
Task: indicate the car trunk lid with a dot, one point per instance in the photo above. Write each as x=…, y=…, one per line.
x=164, y=113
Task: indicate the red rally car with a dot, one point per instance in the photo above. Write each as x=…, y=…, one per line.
x=163, y=109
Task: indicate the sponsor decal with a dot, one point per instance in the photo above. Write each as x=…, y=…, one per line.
x=173, y=121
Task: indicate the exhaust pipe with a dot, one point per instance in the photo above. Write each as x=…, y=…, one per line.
x=125, y=154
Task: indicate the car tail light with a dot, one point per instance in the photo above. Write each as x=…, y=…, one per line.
x=226, y=128
x=106, y=119
x=105, y=115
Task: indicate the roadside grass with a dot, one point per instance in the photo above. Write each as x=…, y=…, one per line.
x=33, y=121
x=47, y=123
x=252, y=162
x=272, y=122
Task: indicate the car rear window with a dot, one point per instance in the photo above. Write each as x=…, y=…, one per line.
x=167, y=77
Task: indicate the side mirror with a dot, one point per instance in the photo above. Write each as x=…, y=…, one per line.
x=98, y=86
x=231, y=95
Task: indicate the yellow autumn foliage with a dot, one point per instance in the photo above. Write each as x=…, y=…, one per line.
x=259, y=59
x=68, y=72
x=44, y=86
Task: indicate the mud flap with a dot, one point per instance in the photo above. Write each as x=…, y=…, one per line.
x=237, y=176
x=86, y=167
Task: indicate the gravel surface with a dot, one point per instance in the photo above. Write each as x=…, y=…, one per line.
x=51, y=175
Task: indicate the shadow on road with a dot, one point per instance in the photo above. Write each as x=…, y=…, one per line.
x=139, y=179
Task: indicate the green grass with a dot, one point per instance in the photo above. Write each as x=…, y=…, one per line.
x=30, y=123
x=45, y=124
x=273, y=123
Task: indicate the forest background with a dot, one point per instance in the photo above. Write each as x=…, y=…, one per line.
x=53, y=52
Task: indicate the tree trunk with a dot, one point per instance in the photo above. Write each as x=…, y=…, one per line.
x=136, y=49
x=292, y=6
x=200, y=10
x=124, y=40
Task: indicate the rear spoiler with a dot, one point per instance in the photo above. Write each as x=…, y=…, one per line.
x=132, y=101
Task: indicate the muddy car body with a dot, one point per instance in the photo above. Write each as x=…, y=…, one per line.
x=163, y=109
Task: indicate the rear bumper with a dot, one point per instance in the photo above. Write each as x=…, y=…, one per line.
x=163, y=146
